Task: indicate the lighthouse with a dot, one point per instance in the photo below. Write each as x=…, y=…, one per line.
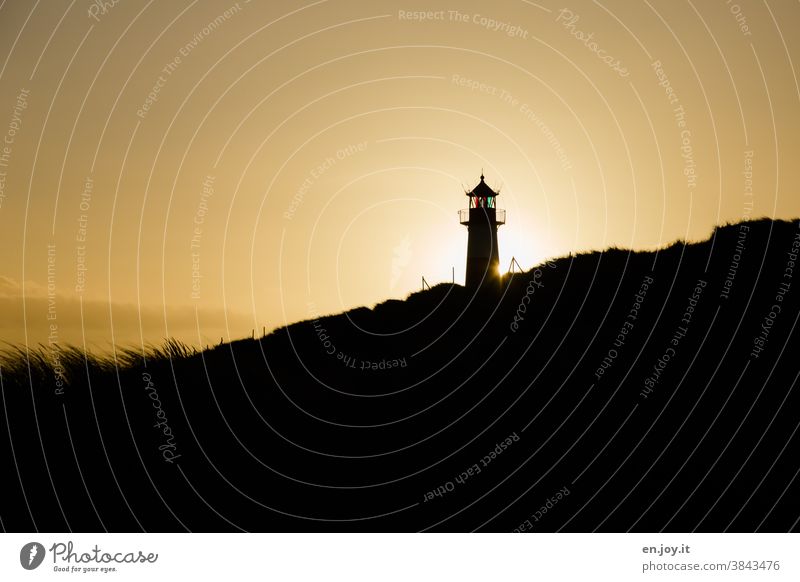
x=482, y=219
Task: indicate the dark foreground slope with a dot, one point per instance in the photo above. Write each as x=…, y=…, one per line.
x=610, y=391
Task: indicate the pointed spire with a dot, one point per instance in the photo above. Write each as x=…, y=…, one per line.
x=482, y=189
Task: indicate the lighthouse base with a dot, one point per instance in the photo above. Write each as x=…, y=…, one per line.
x=482, y=273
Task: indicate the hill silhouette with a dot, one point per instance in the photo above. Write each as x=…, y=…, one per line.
x=608, y=391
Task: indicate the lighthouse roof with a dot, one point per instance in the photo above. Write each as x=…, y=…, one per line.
x=482, y=189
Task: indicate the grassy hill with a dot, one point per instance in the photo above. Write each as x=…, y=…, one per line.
x=607, y=391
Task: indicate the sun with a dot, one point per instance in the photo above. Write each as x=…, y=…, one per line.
x=524, y=247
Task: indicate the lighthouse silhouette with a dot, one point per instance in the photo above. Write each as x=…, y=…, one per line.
x=482, y=219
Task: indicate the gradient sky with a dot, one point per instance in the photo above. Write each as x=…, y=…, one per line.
x=309, y=158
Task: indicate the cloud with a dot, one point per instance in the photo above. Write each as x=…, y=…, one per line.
x=12, y=288
x=36, y=319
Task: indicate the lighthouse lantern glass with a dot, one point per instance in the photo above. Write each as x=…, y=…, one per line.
x=481, y=202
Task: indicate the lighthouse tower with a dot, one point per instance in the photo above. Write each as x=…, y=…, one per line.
x=482, y=219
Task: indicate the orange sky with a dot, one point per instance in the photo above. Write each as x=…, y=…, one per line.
x=205, y=168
